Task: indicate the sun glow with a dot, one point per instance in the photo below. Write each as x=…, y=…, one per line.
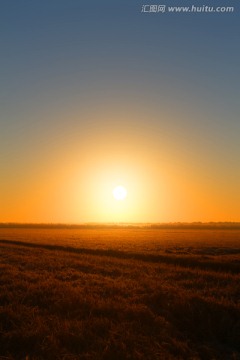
x=119, y=192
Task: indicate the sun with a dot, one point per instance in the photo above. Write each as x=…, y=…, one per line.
x=119, y=192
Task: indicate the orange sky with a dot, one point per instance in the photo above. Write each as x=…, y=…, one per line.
x=95, y=95
x=69, y=178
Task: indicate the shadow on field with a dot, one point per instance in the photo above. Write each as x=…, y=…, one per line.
x=191, y=260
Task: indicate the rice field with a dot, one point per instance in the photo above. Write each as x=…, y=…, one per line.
x=119, y=293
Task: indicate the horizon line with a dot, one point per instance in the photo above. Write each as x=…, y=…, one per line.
x=180, y=224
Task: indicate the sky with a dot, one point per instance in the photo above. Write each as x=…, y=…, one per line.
x=96, y=94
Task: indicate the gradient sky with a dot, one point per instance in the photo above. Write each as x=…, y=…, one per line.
x=95, y=93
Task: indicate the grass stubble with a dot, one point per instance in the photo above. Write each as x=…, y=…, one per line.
x=119, y=300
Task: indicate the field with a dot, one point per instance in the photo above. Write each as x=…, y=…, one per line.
x=119, y=293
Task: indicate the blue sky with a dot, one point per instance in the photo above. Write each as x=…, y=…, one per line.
x=68, y=57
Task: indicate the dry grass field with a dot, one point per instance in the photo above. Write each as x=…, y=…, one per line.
x=116, y=294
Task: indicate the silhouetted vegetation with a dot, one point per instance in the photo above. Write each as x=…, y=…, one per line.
x=174, y=225
x=119, y=294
